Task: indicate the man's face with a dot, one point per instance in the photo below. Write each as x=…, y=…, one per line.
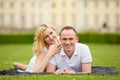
x=68, y=39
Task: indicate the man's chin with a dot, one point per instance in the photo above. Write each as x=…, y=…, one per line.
x=67, y=49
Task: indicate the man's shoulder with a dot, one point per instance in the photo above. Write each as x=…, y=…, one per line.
x=81, y=45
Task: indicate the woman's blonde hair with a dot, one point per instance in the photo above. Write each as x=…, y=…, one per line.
x=39, y=43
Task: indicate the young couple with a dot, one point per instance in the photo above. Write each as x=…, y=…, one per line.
x=58, y=54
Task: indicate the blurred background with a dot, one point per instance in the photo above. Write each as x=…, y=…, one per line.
x=85, y=15
x=96, y=21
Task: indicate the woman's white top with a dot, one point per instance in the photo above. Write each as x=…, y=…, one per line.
x=32, y=62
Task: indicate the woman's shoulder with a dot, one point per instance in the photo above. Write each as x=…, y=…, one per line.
x=45, y=49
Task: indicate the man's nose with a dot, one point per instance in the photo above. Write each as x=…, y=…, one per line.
x=67, y=42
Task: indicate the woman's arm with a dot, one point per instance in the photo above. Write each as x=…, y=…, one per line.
x=43, y=59
x=20, y=65
x=39, y=65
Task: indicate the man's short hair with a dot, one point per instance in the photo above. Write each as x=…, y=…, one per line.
x=68, y=28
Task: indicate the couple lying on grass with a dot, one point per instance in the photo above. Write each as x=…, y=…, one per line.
x=58, y=54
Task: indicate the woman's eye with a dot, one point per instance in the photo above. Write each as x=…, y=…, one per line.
x=46, y=36
x=51, y=32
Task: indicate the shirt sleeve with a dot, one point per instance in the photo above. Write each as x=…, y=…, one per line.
x=86, y=55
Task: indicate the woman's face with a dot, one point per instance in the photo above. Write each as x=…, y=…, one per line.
x=50, y=36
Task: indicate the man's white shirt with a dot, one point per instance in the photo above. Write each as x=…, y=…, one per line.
x=81, y=55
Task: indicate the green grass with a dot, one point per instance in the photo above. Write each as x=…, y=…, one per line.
x=103, y=55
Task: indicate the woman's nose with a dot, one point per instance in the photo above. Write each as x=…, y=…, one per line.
x=50, y=36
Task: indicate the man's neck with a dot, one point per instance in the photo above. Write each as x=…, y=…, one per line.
x=69, y=53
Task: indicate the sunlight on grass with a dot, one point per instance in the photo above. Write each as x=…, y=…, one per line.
x=103, y=55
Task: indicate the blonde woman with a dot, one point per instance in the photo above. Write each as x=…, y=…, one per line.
x=45, y=37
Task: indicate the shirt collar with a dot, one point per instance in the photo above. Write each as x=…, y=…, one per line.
x=62, y=52
x=75, y=53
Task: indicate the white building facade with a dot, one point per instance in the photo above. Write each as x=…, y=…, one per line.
x=84, y=15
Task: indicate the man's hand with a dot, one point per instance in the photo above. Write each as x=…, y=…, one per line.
x=65, y=71
x=59, y=72
x=69, y=71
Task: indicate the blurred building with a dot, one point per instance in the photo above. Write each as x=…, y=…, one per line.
x=84, y=15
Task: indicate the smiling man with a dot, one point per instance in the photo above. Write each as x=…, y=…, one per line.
x=73, y=58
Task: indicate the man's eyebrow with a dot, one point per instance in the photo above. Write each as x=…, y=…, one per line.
x=63, y=38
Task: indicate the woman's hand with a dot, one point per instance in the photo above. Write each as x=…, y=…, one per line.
x=54, y=49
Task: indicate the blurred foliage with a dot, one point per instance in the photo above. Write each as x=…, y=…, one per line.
x=16, y=38
x=83, y=37
x=99, y=38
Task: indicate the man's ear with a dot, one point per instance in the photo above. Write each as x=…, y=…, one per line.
x=60, y=38
x=77, y=38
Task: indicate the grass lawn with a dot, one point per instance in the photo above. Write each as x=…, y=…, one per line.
x=103, y=55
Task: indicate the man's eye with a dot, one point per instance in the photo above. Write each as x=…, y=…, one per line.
x=71, y=39
x=64, y=39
